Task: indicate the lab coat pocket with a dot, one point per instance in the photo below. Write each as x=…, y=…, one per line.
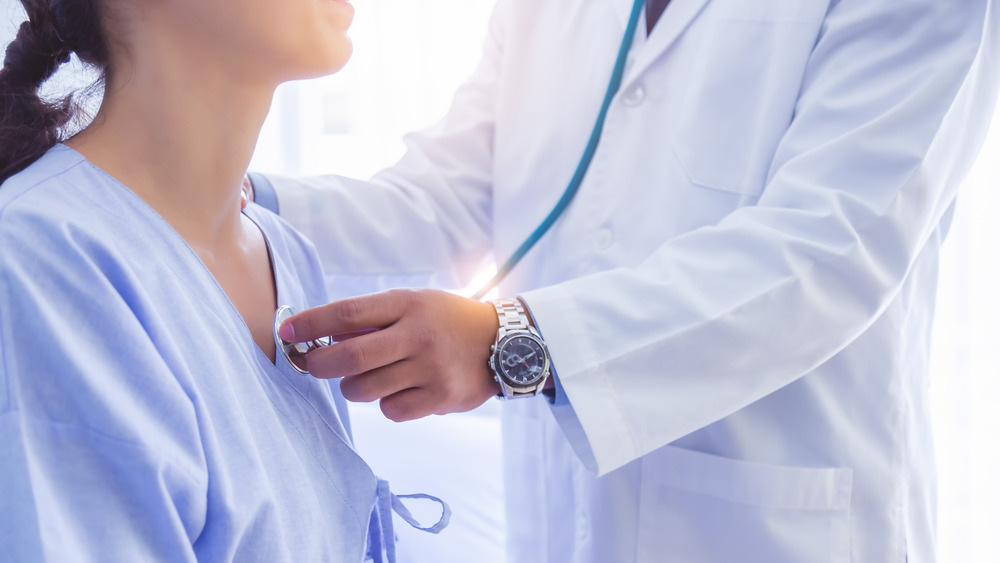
x=746, y=66
x=703, y=508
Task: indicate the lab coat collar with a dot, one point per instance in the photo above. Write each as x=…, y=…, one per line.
x=677, y=18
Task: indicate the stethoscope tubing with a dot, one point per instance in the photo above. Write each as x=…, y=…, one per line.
x=294, y=353
x=581, y=169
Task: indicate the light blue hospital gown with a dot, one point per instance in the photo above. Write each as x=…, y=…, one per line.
x=138, y=419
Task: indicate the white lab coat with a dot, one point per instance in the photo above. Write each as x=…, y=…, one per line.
x=738, y=302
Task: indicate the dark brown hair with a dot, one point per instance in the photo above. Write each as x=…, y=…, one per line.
x=55, y=29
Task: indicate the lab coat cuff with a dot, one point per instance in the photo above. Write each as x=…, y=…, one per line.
x=556, y=396
x=585, y=405
x=559, y=399
x=263, y=192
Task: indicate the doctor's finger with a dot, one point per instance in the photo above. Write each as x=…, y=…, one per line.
x=346, y=316
x=409, y=404
x=377, y=384
x=357, y=355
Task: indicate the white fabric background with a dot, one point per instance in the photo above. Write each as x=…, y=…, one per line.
x=409, y=57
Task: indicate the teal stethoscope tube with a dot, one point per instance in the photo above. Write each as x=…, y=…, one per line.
x=581, y=168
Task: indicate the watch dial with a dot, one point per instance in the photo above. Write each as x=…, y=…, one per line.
x=522, y=360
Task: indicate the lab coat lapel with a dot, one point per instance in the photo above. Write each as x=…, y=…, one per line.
x=677, y=18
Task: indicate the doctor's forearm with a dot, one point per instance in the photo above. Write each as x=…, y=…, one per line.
x=369, y=228
x=431, y=213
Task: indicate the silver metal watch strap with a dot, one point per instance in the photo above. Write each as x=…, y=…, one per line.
x=513, y=317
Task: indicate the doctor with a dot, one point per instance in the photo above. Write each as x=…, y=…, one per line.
x=737, y=303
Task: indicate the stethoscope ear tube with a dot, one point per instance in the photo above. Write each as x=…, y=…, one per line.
x=581, y=168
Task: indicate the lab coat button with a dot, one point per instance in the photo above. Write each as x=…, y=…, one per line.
x=603, y=239
x=634, y=96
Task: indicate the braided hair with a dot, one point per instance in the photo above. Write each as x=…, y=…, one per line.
x=54, y=30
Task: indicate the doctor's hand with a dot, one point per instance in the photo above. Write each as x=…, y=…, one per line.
x=418, y=352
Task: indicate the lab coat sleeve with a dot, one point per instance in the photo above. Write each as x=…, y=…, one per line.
x=428, y=215
x=99, y=451
x=893, y=108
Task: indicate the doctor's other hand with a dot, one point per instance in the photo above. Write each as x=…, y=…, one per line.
x=418, y=352
x=246, y=190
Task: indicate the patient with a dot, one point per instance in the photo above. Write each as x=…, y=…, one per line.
x=142, y=414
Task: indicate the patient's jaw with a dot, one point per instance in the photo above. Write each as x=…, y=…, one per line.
x=270, y=41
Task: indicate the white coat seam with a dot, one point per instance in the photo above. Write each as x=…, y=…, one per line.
x=616, y=399
x=609, y=387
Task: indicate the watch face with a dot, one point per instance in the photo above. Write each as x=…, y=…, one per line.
x=522, y=360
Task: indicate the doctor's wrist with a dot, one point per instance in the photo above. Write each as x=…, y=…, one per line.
x=519, y=359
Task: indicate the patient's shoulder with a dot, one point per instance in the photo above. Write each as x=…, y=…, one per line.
x=57, y=211
x=60, y=187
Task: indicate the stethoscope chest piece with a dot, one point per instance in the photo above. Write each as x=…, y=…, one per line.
x=295, y=352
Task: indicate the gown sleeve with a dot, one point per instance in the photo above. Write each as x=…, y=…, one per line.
x=99, y=446
x=893, y=109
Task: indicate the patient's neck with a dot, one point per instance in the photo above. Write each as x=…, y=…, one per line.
x=180, y=133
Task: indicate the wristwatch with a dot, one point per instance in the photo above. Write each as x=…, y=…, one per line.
x=519, y=359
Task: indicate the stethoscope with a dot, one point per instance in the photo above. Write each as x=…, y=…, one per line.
x=295, y=353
